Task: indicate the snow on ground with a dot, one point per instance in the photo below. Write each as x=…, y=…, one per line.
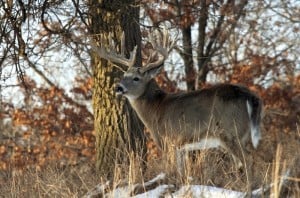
x=192, y=191
x=155, y=189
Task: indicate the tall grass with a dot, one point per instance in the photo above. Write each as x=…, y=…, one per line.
x=210, y=167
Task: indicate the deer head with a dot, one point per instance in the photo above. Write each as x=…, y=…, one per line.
x=135, y=79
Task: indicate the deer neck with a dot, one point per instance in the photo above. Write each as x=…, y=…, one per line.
x=148, y=105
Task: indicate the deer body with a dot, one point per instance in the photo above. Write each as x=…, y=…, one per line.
x=225, y=115
x=187, y=117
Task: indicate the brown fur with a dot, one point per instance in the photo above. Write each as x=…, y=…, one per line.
x=187, y=117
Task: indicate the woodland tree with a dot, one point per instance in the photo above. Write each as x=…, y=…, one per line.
x=119, y=131
x=214, y=20
x=30, y=30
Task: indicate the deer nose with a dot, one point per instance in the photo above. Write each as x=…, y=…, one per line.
x=120, y=89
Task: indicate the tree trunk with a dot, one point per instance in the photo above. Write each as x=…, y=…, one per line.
x=209, y=48
x=118, y=130
x=188, y=57
x=202, y=59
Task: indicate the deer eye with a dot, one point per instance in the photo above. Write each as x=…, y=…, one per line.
x=136, y=79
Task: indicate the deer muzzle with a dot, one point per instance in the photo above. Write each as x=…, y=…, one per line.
x=120, y=89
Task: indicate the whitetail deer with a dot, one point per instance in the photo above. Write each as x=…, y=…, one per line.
x=225, y=115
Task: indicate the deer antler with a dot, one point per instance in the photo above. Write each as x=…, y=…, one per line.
x=162, y=44
x=112, y=55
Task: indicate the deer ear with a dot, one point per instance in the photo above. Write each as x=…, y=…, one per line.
x=152, y=72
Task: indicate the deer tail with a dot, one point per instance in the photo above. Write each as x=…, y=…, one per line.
x=254, y=107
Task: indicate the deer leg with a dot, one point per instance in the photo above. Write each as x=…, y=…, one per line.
x=207, y=143
x=180, y=160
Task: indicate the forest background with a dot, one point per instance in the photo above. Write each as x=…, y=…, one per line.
x=52, y=90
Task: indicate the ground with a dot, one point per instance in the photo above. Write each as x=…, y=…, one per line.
x=63, y=165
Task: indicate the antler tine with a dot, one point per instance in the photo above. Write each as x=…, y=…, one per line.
x=123, y=43
x=111, y=43
x=165, y=37
x=110, y=54
x=162, y=46
x=168, y=42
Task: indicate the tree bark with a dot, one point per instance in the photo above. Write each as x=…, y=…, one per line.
x=202, y=59
x=118, y=129
x=188, y=57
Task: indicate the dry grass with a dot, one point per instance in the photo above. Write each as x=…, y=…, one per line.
x=51, y=181
x=267, y=165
